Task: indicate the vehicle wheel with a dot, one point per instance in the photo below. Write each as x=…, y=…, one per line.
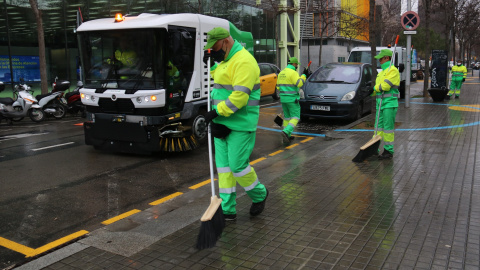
x=359, y=113
x=37, y=115
x=276, y=95
x=18, y=109
x=59, y=112
x=199, y=127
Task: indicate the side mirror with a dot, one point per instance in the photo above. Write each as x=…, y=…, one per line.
x=401, y=67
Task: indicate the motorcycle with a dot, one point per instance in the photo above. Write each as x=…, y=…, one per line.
x=24, y=105
x=53, y=103
x=74, y=102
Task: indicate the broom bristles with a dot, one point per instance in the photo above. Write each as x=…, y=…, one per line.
x=213, y=223
x=368, y=149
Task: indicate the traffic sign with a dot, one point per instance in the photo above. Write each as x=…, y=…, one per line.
x=410, y=20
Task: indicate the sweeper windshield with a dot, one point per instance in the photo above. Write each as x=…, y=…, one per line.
x=124, y=59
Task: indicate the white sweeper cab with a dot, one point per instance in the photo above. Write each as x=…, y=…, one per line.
x=145, y=84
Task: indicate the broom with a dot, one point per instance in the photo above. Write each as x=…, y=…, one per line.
x=371, y=147
x=212, y=220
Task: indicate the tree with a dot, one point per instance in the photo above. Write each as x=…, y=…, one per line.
x=373, y=46
x=353, y=26
x=327, y=22
x=41, y=46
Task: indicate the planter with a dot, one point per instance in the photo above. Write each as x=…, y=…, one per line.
x=438, y=94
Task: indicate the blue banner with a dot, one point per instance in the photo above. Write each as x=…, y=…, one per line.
x=24, y=66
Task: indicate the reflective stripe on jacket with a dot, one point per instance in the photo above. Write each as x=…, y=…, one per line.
x=288, y=84
x=236, y=93
x=458, y=73
x=388, y=81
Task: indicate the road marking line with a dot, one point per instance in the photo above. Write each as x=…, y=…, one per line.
x=201, y=184
x=19, y=136
x=52, y=146
x=16, y=247
x=122, y=216
x=30, y=252
x=275, y=153
x=58, y=242
x=292, y=146
x=257, y=160
x=307, y=139
x=164, y=199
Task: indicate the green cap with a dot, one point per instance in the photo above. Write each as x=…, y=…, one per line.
x=384, y=52
x=293, y=60
x=215, y=35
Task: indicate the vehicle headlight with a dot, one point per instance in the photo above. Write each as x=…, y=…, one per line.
x=139, y=99
x=348, y=96
x=93, y=98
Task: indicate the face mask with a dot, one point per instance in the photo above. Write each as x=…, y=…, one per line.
x=459, y=64
x=219, y=55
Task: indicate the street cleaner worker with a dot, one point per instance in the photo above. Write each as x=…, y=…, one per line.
x=459, y=73
x=234, y=116
x=288, y=85
x=386, y=89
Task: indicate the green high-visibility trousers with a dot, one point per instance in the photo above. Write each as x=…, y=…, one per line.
x=291, y=114
x=386, y=127
x=232, y=158
x=455, y=87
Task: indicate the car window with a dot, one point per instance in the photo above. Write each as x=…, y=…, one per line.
x=367, y=73
x=336, y=73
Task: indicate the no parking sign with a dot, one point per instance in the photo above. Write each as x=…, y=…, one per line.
x=410, y=20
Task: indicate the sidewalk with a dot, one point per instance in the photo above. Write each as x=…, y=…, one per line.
x=420, y=210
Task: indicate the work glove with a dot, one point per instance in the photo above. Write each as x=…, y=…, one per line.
x=210, y=115
x=307, y=72
x=207, y=55
x=370, y=90
x=463, y=80
x=220, y=131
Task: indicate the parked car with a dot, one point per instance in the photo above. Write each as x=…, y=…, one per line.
x=268, y=80
x=338, y=91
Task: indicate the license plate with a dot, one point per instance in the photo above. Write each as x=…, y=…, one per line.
x=319, y=108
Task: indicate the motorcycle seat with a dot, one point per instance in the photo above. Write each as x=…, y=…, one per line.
x=7, y=101
x=38, y=97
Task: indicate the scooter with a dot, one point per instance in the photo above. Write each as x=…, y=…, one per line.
x=52, y=103
x=74, y=102
x=24, y=105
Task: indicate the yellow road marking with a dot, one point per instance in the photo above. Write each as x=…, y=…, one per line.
x=257, y=160
x=276, y=153
x=30, y=252
x=307, y=139
x=465, y=109
x=57, y=243
x=164, y=199
x=16, y=247
x=291, y=146
x=201, y=184
x=122, y=216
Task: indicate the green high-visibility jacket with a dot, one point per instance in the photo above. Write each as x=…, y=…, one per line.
x=388, y=81
x=236, y=93
x=458, y=73
x=288, y=83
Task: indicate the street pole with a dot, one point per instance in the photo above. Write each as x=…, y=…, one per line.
x=409, y=59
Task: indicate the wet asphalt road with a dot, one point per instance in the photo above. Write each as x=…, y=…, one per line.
x=53, y=185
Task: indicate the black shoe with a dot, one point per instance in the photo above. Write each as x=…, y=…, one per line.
x=257, y=208
x=285, y=138
x=385, y=155
x=232, y=217
x=457, y=96
x=291, y=138
x=447, y=97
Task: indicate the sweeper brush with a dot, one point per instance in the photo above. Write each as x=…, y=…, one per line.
x=179, y=138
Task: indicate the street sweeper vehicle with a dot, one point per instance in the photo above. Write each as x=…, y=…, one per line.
x=145, y=84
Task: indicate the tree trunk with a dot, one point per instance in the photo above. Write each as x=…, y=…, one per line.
x=373, y=46
x=426, y=73
x=41, y=46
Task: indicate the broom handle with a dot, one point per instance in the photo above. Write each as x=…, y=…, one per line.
x=210, y=151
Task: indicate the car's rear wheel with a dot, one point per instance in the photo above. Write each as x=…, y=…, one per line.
x=276, y=94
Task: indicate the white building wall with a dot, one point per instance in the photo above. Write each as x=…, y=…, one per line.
x=330, y=53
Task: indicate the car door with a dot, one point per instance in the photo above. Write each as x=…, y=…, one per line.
x=366, y=84
x=268, y=79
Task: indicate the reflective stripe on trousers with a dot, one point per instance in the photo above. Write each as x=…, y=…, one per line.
x=386, y=127
x=232, y=160
x=291, y=113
